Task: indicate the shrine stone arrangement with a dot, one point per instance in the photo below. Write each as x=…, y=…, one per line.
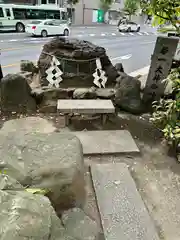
x=70, y=68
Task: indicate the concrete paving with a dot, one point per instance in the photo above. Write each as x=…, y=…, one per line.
x=107, y=142
x=122, y=211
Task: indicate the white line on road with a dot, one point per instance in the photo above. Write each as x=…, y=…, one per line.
x=92, y=34
x=122, y=33
x=113, y=34
x=140, y=33
x=146, y=33
x=132, y=34
x=125, y=57
x=103, y=34
x=13, y=40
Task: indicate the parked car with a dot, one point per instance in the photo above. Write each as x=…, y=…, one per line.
x=128, y=26
x=48, y=27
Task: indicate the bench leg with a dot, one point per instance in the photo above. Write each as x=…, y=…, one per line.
x=66, y=120
x=104, y=119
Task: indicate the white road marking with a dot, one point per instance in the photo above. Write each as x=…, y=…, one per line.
x=13, y=40
x=125, y=57
x=113, y=34
x=146, y=33
x=122, y=33
x=92, y=34
x=132, y=34
x=80, y=35
x=140, y=33
x=103, y=34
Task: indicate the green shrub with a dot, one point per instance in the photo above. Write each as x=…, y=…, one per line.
x=166, y=115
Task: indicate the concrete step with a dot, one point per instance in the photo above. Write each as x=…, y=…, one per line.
x=107, y=142
x=122, y=211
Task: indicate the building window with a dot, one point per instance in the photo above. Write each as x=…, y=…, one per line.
x=43, y=1
x=52, y=1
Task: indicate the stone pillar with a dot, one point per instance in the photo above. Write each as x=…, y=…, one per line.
x=161, y=62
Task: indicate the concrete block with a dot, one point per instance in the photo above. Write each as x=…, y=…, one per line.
x=89, y=106
x=122, y=211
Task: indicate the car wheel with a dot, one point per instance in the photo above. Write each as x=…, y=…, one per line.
x=66, y=32
x=20, y=27
x=129, y=29
x=138, y=29
x=44, y=33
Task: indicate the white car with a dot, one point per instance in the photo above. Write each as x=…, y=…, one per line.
x=128, y=26
x=47, y=27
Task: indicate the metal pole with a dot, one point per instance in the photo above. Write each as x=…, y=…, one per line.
x=83, y=6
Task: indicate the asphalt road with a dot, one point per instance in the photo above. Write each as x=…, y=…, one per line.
x=132, y=49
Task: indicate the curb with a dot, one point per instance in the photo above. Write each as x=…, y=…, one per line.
x=142, y=75
x=142, y=71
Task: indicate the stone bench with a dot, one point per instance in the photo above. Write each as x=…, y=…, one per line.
x=122, y=211
x=86, y=107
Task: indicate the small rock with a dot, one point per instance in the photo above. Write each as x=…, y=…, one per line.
x=48, y=106
x=119, y=67
x=28, y=66
x=79, y=225
x=84, y=93
x=49, y=94
x=105, y=93
x=9, y=183
x=128, y=94
x=35, y=81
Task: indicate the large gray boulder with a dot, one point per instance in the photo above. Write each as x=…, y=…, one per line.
x=28, y=216
x=16, y=94
x=51, y=161
x=27, y=125
x=78, y=62
x=128, y=94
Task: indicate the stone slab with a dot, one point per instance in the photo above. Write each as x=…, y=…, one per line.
x=122, y=210
x=85, y=106
x=107, y=142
